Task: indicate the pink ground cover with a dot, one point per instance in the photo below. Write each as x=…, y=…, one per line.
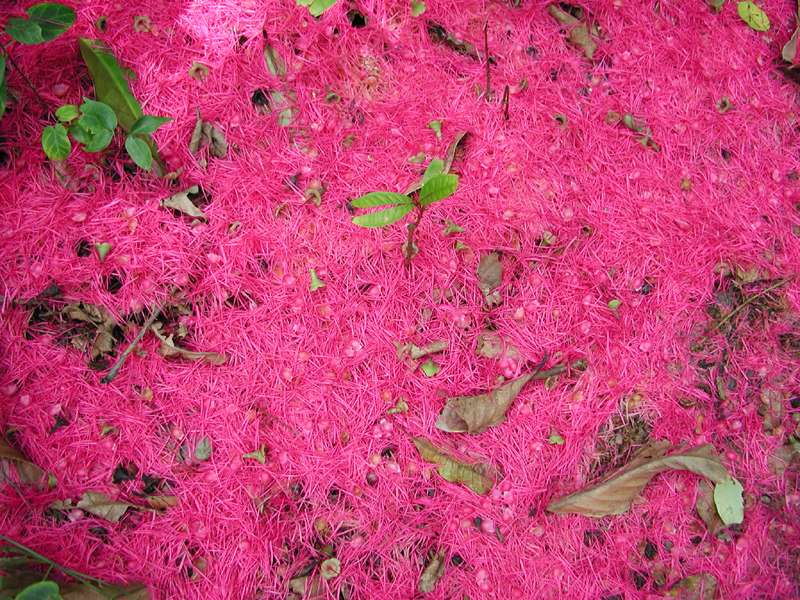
x=682, y=232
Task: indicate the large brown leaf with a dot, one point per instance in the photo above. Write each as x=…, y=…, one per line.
x=490, y=276
x=707, y=509
x=474, y=414
x=614, y=495
x=479, y=476
x=432, y=573
x=98, y=504
x=15, y=467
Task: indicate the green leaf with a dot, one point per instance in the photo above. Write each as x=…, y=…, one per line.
x=478, y=475
x=98, y=141
x=67, y=113
x=729, y=502
x=304, y=2
x=55, y=142
x=417, y=8
x=380, y=199
x=3, y=90
x=430, y=368
x=435, y=167
x=148, y=124
x=420, y=157
x=103, y=250
x=451, y=227
x=436, y=125
x=24, y=31
x=53, y=18
x=317, y=7
x=260, y=456
x=330, y=568
x=400, y=407
x=2, y=68
x=315, y=282
x=382, y=218
x=139, y=151
x=80, y=134
x=44, y=590
x=97, y=116
x=753, y=16
x=614, y=305
x=555, y=439
x=438, y=188
x=203, y=450
x=274, y=63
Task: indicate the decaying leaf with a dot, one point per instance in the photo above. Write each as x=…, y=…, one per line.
x=415, y=352
x=160, y=502
x=789, y=52
x=694, y=587
x=706, y=508
x=492, y=345
x=490, y=276
x=578, y=31
x=478, y=476
x=134, y=591
x=729, y=501
x=182, y=202
x=103, y=341
x=439, y=35
x=474, y=414
x=98, y=504
x=455, y=151
x=168, y=349
x=432, y=573
x=14, y=467
x=614, y=495
x=205, y=133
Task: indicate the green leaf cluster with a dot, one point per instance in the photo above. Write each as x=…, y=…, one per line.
x=316, y=7
x=93, y=125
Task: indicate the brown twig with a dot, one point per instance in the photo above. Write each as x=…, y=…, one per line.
x=506, y=98
x=30, y=85
x=112, y=373
x=486, y=58
x=412, y=227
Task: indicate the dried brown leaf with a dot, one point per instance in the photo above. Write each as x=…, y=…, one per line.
x=415, y=352
x=613, y=496
x=452, y=151
x=474, y=414
x=432, y=573
x=789, y=52
x=492, y=345
x=183, y=204
x=694, y=587
x=478, y=476
x=98, y=504
x=197, y=135
x=15, y=467
x=578, y=31
x=707, y=509
x=219, y=146
x=490, y=276
x=168, y=349
x=160, y=502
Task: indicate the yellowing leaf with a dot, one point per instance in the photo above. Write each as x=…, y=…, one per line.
x=729, y=502
x=694, y=587
x=614, y=495
x=578, y=31
x=474, y=414
x=480, y=476
x=414, y=352
x=753, y=16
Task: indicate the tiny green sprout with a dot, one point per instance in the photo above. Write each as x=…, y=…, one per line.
x=451, y=227
x=330, y=568
x=436, y=186
x=436, y=126
x=418, y=158
x=260, y=455
x=555, y=439
x=400, y=407
x=103, y=250
x=461, y=246
x=430, y=368
x=614, y=305
x=315, y=282
x=548, y=238
x=198, y=71
x=417, y=8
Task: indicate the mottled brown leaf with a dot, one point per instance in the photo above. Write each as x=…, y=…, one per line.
x=478, y=476
x=490, y=276
x=432, y=573
x=168, y=349
x=613, y=496
x=219, y=146
x=694, y=587
x=197, y=135
x=492, y=345
x=474, y=414
x=15, y=467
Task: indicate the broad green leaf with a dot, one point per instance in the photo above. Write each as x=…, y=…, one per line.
x=753, y=16
x=97, y=117
x=53, y=18
x=417, y=8
x=148, y=124
x=103, y=250
x=479, y=476
x=729, y=502
x=44, y=590
x=67, y=113
x=380, y=199
x=3, y=91
x=438, y=188
x=2, y=68
x=304, y=2
x=98, y=141
x=203, y=450
x=110, y=84
x=383, y=217
x=434, y=168
x=139, y=151
x=24, y=31
x=55, y=142
x=437, y=127
x=80, y=134
x=317, y=7
x=315, y=282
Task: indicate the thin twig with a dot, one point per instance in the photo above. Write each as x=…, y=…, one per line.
x=558, y=369
x=112, y=373
x=30, y=85
x=412, y=227
x=506, y=99
x=486, y=58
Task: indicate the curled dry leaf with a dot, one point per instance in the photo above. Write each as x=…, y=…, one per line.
x=614, y=495
x=578, y=31
x=103, y=341
x=15, y=467
x=707, y=509
x=98, y=504
x=490, y=276
x=415, y=352
x=479, y=476
x=168, y=349
x=182, y=202
x=205, y=133
x=474, y=414
x=455, y=151
x=432, y=573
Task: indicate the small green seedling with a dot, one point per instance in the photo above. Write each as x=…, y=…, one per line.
x=316, y=7
x=93, y=125
x=436, y=186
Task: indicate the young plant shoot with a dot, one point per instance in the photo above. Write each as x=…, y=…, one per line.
x=436, y=186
